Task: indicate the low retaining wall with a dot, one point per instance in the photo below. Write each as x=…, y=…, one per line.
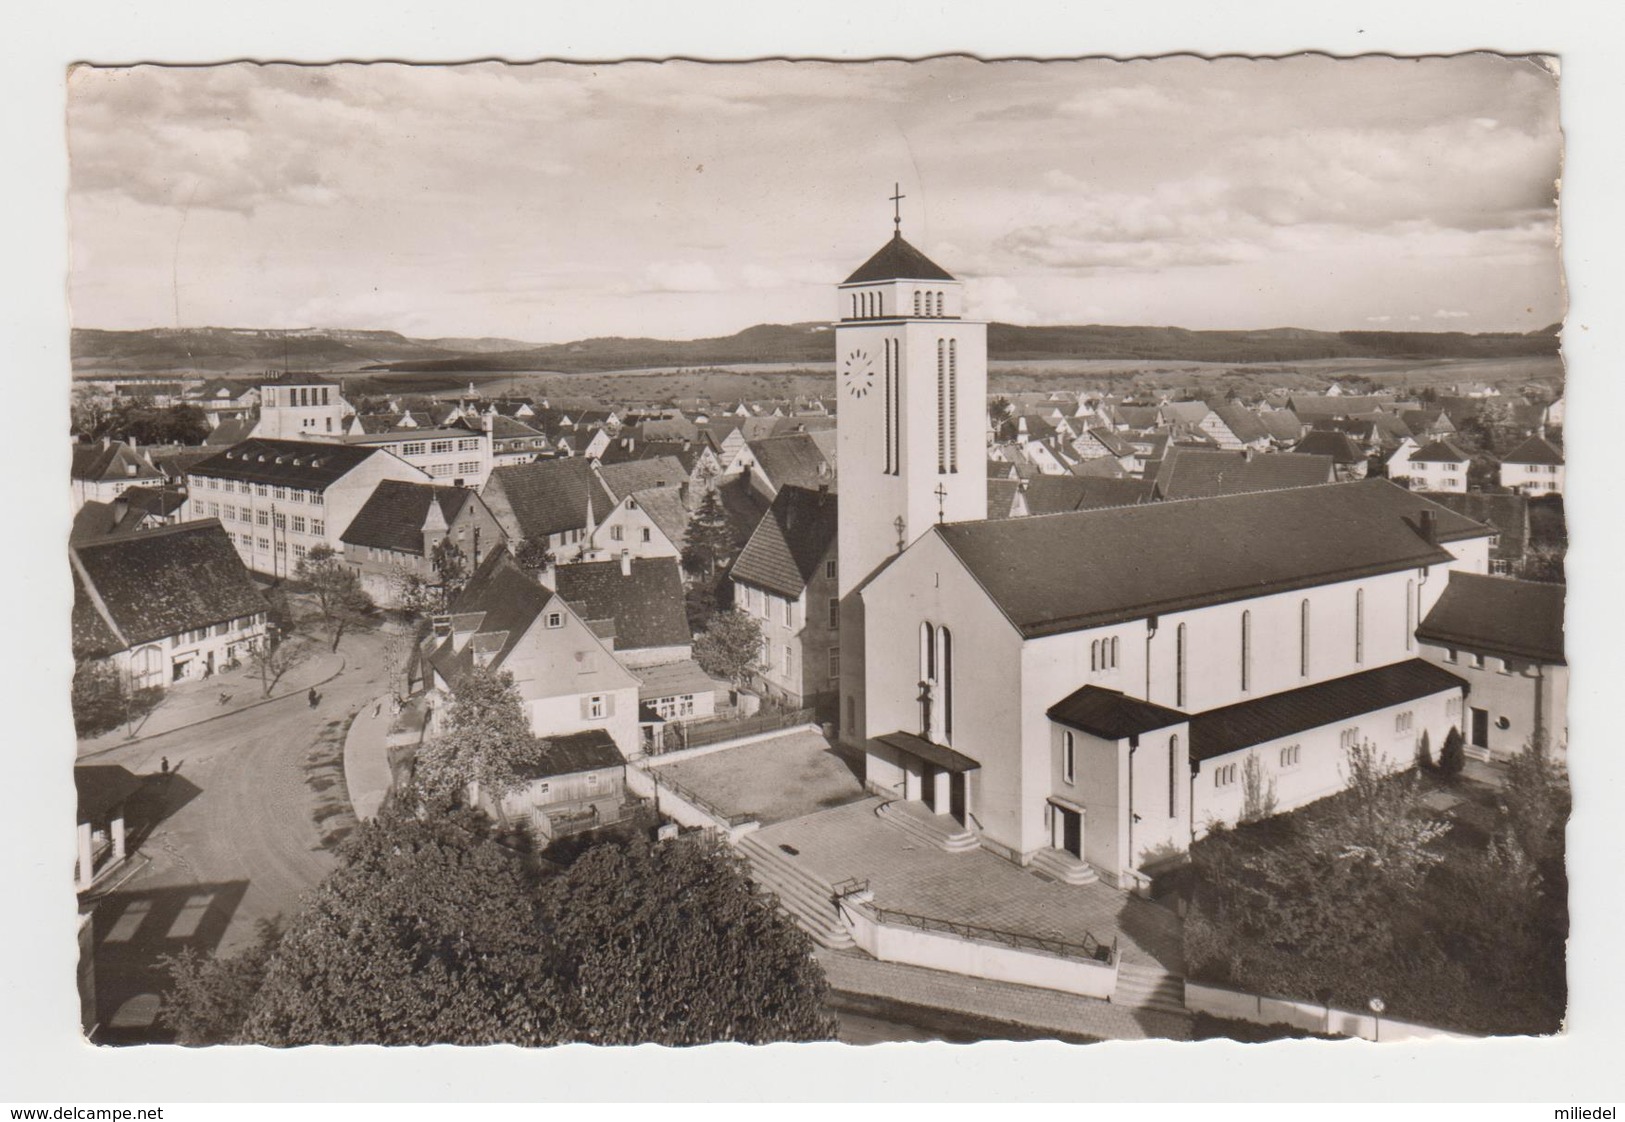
x=682, y=754
x=1236, y=1005
x=975, y=958
x=674, y=806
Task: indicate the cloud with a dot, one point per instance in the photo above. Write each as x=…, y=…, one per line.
x=1378, y=319
x=680, y=276
x=1444, y=313
x=1116, y=101
x=994, y=298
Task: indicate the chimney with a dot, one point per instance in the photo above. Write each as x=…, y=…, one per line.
x=549, y=576
x=626, y=562
x=1430, y=533
x=488, y=421
x=1247, y=455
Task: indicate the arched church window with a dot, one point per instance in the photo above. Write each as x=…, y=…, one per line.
x=1114, y=653
x=1246, y=650
x=945, y=649
x=1179, y=666
x=886, y=374
x=1410, y=614
x=1173, y=775
x=1359, y=625
x=1094, y=656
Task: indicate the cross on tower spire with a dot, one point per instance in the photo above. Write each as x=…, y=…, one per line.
x=897, y=198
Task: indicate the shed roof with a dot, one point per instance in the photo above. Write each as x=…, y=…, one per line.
x=1111, y=714
x=1499, y=615
x=573, y=753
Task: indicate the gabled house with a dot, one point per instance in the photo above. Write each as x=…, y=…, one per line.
x=556, y=503
x=513, y=441
x=1534, y=467
x=1235, y=427
x=452, y=454
x=636, y=604
x=278, y=499
x=568, y=678
x=101, y=472
x=1348, y=461
x=399, y=527
x=1284, y=426
x=578, y=782
x=222, y=399
x=786, y=576
x=138, y=508
x=1439, y=466
x=795, y=460
x=1194, y=473
x=1505, y=637
x=166, y=605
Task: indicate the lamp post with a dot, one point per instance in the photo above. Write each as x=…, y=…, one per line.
x=1377, y=1005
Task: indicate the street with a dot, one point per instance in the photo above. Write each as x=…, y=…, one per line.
x=237, y=833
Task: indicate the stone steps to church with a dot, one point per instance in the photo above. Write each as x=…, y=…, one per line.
x=1063, y=867
x=806, y=899
x=933, y=829
x=1140, y=987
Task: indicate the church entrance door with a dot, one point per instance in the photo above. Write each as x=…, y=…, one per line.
x=956, y=797
x=1072, y=832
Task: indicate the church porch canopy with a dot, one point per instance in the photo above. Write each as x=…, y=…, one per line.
x=1111, y=714
x=945, y=758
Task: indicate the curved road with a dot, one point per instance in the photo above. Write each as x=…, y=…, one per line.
x=237, y=840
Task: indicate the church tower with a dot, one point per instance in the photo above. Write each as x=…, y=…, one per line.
x=911, y=380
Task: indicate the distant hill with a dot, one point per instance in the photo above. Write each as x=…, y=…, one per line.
x=246, y=350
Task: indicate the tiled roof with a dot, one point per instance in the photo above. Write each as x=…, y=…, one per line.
x=164, y=581
x=1263, y=719
x=1439, y=452
x=311, y=464
x=790, y=542
x=93, y=637
x=509, y=428
x=665, y=509
x=1498, y=615
x=628, y=476
x=1535, y=450
x=1059, y=494
x=646, y=604
x=1001, y=496
x=175, y=460
x=1196, y=473
x=94, y=463
x=1508, y=514
x=1282, y=425
x=508, y=599
x=1185, y=412
x=673, y=678
x=1065, y=572
x=1337, y=445
x=227, y=433
x=160, y=502
x=592, y=750
x=1111, y=714
x=1242, y=422
x=551, y=496
x=793, y=460
x=392, y=517
x=897, y=260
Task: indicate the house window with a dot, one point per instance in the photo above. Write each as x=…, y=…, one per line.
x=1068, y=756
x=231, y=513
x=468, y=445
x=834, y=614
x=197, y=508
x=281, y=546
x=1349, y=738
x=1404, y=721
x=413, y=449
x=834, y=662
x=1452, y=655
x=555, y=620
x=214, y=510
x=468, y=467
x=298, y=524
x=262, y=517
x=788, y=663
x=616, y=534
x=1291, y=754
x=263, y=545
x=280, y=521
x=279, y=492
x=315, y=498
x=789, y=612
x=295, y=495
x=439, y=447
x=440, y=470
x=829, y=569
x=595, y=707
x=299, y=553
x=261, y=490
x=647, y=536
x=317, y=526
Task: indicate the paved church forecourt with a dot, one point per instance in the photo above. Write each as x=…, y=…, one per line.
x=973, y=888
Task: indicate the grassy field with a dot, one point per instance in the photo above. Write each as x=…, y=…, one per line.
x=784, y=380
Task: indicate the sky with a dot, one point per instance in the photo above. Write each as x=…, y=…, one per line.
x=554, y=201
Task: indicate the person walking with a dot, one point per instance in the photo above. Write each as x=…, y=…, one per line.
x=163, y=766
x=313, y=697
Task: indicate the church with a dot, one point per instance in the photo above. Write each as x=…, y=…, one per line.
x=1093, y=690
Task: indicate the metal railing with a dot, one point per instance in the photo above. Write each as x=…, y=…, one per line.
x=696, y=733
x=850, y=886
x=699, y=801
x=1090, y=949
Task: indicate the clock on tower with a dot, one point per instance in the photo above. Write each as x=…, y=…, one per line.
x=858, y=372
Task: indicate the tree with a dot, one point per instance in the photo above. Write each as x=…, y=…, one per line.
x=532, y=556
x=415, y=593
x=1453, y=756
x=426, y=934
x=709, y=540
x=730, y=647
x=88, y=412
x=485, y=741
x=1257, y=792
x=210, y=997
x=337, y=587
x=181, y=424
x=671, y=944
x=997, y=410
x=1543, y=563
x=1424, y=753
x=450, y=569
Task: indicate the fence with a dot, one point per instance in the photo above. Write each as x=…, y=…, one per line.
x=697, y=733
x=1091, y=948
